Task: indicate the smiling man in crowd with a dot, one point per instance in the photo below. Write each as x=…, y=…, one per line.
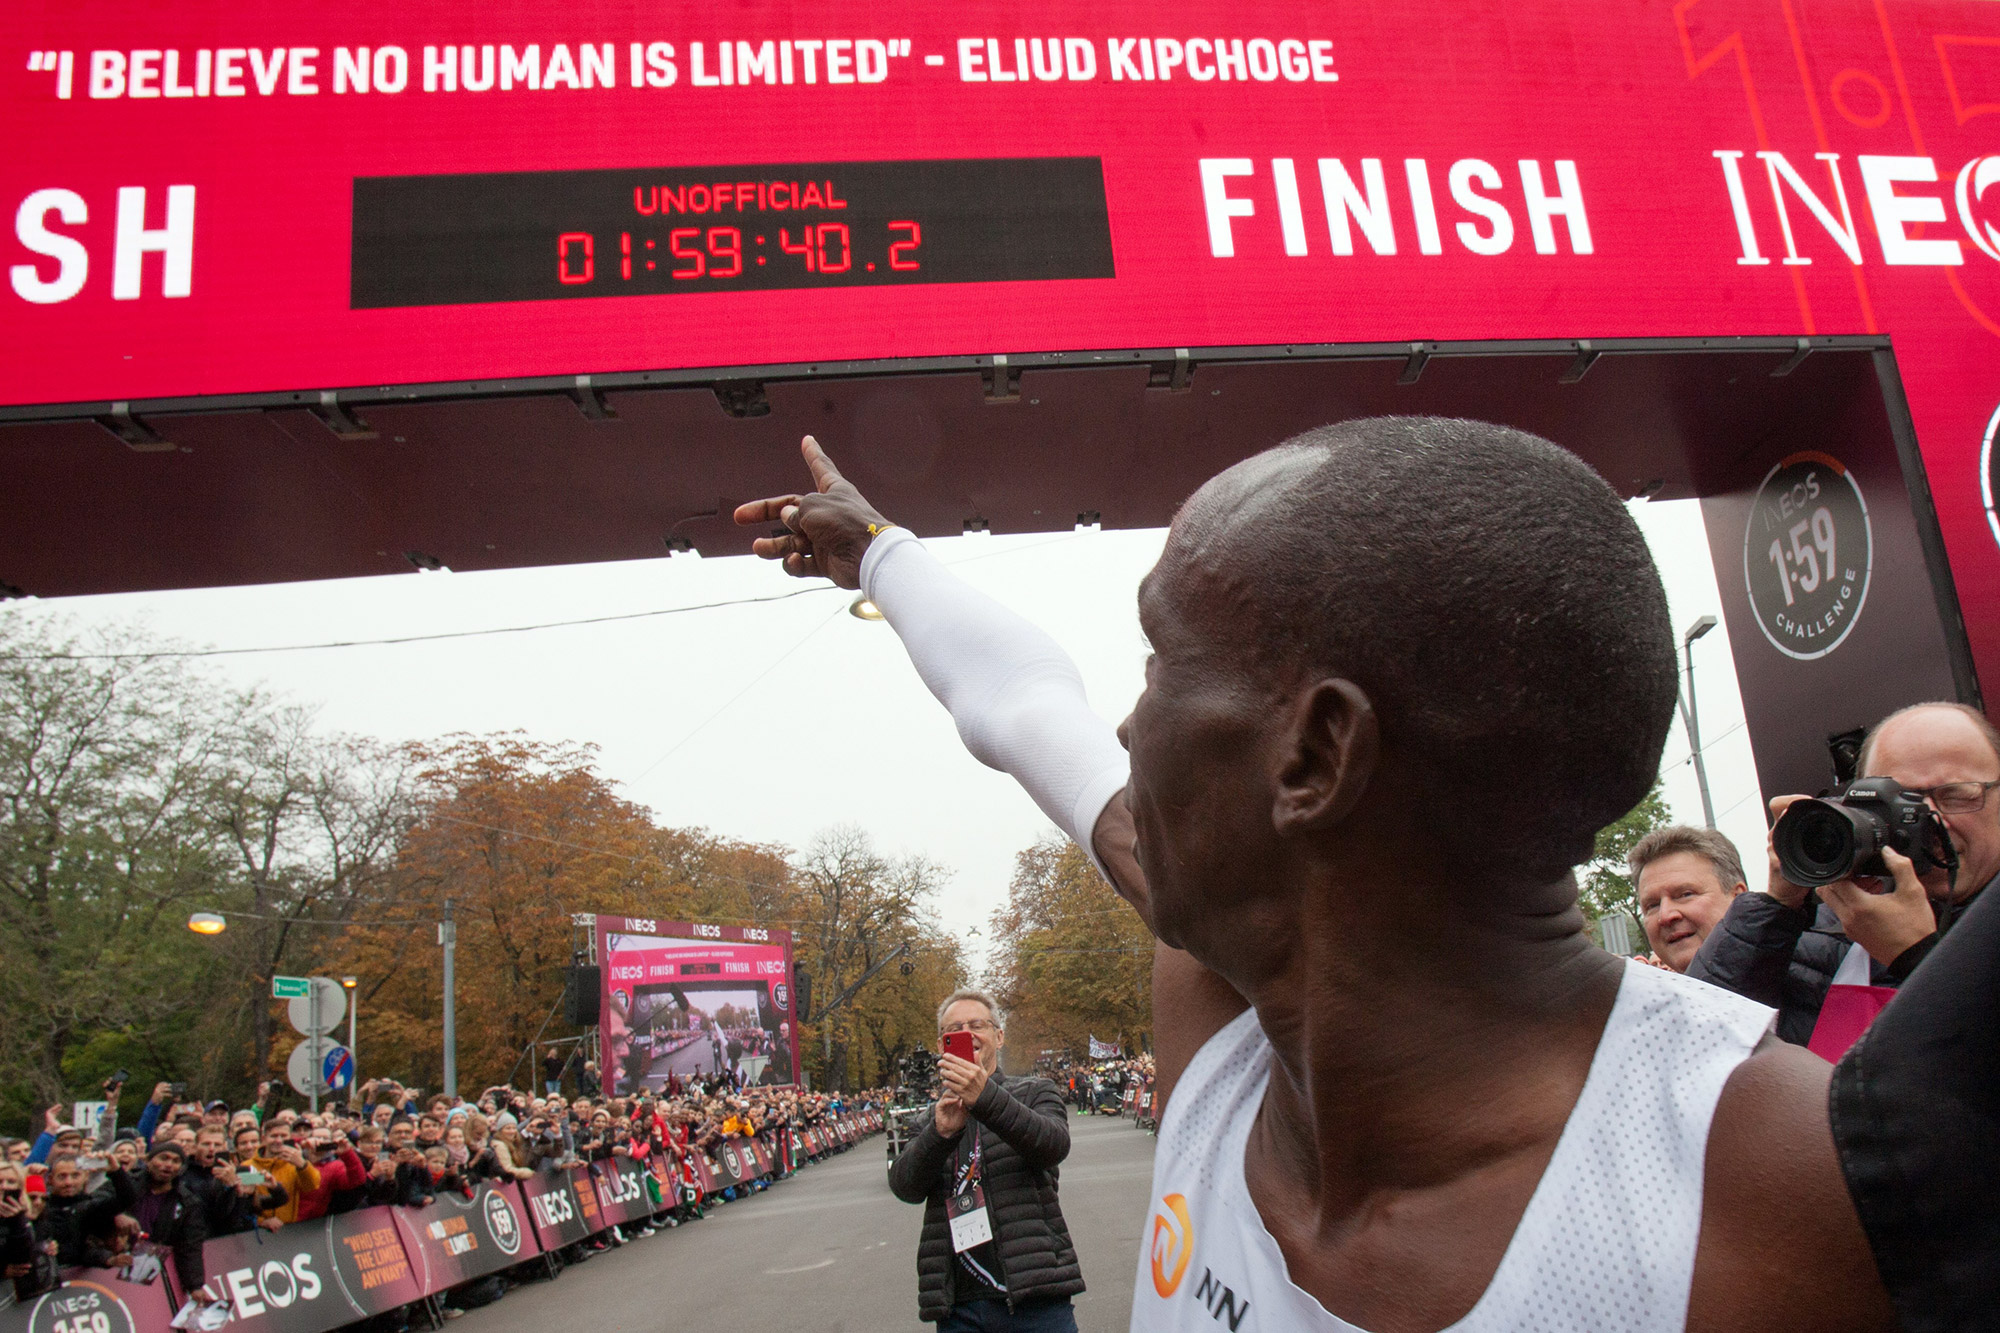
x=1685, y=879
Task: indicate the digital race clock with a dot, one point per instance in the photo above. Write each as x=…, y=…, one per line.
x=545, y=235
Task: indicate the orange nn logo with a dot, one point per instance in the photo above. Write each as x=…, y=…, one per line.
x=1172, y=1245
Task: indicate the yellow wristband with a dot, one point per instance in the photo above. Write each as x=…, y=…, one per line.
x=877, y=529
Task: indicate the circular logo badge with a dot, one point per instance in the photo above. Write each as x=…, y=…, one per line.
x=81, y=1305
x=500, y=1222
x=781, y=994
x=1807, y=555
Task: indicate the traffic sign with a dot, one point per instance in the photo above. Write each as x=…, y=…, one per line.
x=332, y=1006
x=303, y=1069
x=290, y=988
x=336, y=1067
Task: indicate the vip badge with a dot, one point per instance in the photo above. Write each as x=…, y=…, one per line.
x=1807, y=555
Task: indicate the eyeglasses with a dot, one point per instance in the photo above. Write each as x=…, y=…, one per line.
x=1957, y=798
x=988, y=1025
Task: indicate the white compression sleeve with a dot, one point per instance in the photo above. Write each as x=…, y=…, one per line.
x=1016, y=696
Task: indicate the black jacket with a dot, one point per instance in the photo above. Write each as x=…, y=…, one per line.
x=71, y=1221
x=1786, y=957
x=1915, y=1110
x=180, y=1224
x=1023, y=1137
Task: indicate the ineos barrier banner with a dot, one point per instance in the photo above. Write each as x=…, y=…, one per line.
x=455, y=1239
x=554, y=1212
x=92, y=1300
x=621, y=1189
x=312, y=1276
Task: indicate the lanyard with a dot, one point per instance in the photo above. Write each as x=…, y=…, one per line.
x=968, y=1173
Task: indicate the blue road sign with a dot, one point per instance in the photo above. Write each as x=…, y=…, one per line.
x=338, y=1067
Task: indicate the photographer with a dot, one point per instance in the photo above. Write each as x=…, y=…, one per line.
x=996, y=1253
x=285, y=1166
x=1777, y=948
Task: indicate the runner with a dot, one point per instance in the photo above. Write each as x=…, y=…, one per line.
x=1403, y=669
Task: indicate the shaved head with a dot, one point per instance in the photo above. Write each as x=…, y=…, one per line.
x=1485, y=588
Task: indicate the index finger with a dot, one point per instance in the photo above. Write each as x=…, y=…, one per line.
x=824, y=474
x=764, y=511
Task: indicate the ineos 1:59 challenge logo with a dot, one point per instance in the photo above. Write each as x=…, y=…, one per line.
x=500, y=1223
x=1807, y=555
x=81, y=1305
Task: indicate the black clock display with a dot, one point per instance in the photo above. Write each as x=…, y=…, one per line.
x=551, y=235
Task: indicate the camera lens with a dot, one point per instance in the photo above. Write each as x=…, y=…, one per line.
x=1819, y=842
x=1824, y=842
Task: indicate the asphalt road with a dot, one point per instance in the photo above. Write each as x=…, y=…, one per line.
x=829, y=1251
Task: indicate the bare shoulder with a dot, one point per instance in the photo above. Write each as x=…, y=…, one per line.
x=1190, y=1003
x=1781, y=1247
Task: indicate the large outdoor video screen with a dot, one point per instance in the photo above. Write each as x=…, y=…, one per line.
x=686, y=1000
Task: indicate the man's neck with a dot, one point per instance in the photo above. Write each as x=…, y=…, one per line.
x=1419, y=1045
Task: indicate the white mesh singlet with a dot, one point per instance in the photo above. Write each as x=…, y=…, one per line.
x=1607, y=1242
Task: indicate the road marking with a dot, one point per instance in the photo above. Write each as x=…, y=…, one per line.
x=781, y=1272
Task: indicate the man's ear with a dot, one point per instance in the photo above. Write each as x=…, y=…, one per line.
x=1328, y=757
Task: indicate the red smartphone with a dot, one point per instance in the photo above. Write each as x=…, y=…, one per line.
x=961, y=1045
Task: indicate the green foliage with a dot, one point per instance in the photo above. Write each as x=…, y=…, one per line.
x=1603, y=886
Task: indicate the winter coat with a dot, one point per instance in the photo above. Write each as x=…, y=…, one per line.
x=70, y=1221
x=1786, y=957
x=343, y=1172
x=1023, y=1132
x=179, y=1224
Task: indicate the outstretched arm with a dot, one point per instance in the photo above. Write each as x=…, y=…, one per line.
x=1018, y=702
x=1015, y=695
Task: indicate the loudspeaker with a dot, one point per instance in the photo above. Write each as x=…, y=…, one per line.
x=581, y=993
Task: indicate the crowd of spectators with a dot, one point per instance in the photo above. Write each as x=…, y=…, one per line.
x=1097, y=1087
x=135, y=1198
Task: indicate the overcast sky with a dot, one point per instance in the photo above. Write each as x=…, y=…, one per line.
x=720, y=717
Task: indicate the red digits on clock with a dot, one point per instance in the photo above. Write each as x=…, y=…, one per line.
x=725, y=243
x=564, y=274
x=827, y=265
x=674, y=239
x=897, y=249
x=803, y=248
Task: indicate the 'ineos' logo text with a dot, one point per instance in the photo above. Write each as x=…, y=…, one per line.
x=1807, y=555
x=552, y=1209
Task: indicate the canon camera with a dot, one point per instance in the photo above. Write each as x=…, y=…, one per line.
x=1825, y=840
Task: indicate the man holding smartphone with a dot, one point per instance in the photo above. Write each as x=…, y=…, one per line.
x=996, y=1254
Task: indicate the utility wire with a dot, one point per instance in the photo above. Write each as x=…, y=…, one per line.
x=475, y=633
x=409, y=638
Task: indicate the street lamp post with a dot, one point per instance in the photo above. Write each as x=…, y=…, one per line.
x=352, y=985
x=448, y=937
x=1688, y=715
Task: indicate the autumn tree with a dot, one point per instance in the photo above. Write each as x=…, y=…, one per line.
x=1071, y=959
x=312, y=824
x=521, y=837
x=851, y=907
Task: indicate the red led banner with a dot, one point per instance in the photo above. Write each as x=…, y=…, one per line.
x=206, y=200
